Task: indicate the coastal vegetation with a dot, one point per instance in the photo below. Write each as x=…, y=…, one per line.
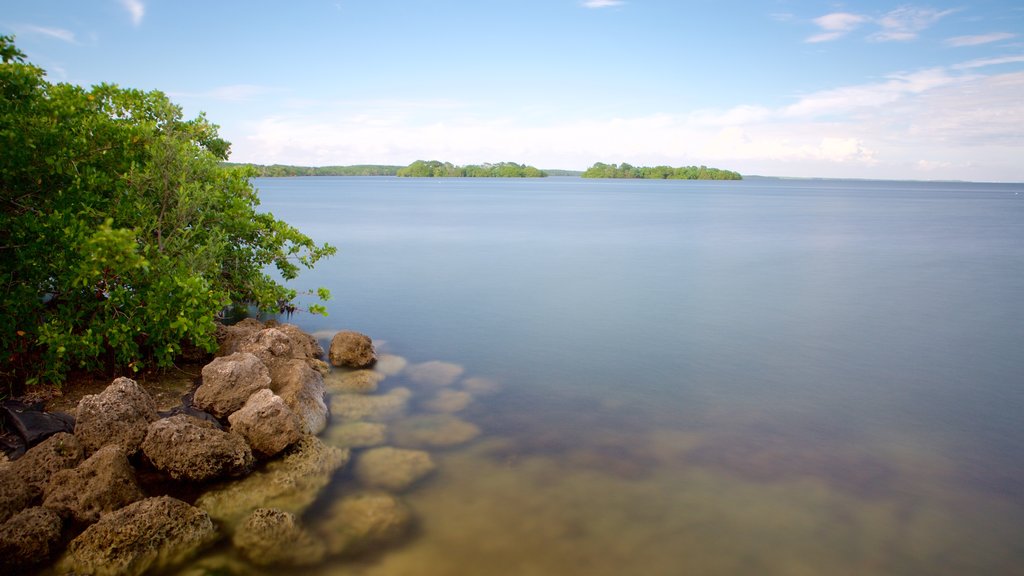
x=122, y=237
x=624, y=170
x=276, y=170
x=437, y=169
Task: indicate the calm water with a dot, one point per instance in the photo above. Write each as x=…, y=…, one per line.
x=756, y=377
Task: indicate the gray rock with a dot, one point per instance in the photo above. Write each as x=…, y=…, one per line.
x=191, y=449
x=58, y=452
x=147, y=536
x=118, y=415
x=393, y=469
x=267, y=423
x=228, y=382
x=352, y=350
x=290, y=483
x=362, y=521
x=275, y=537
x=103, y=483
x=29, y=538
x=371, y=406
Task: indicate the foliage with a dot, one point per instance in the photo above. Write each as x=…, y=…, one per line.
x=624, y=170
x=277, y=170
x=437, y=169
x=121, y=235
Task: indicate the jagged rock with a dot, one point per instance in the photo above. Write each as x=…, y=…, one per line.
x=448, y=400
x=118, y=415
x=370, y=407
x=359, y=522
x=15, y=493
x=275, y=537
x=29, y=538
x=352, y=350
x=353, y=381
x=393, y=469
x=433, y=431
x=101, y=484
x=266, y=423
x=302, y=389
x=58, y=452
x=273, y=347
x=390, y=364
x=291, y=483
x=357, y=434
x=228, y=382
x=147, y=536
x=304, y=343
x=435, y=373
x=187, y=448
x=229, y=337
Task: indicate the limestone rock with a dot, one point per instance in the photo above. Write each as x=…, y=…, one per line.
x=273, y=347
x=187, y=448
x=371, y=407
x=275, y=537
x=29, y=538
x=304, y=344
x=448, y=400
x=118, y=415
x=394, y=469
x=352, y=350
x=58, y=452
x=353, y=381
x=362, y=521
x=147, y=536
x=290, y=483
x=390, y=364
x=15, y=493
x=229, y=337
x=433, y=431
x=480, y=386
x=101, y=484
x=302, y=389
x=435, y=373
x=228, y=382
x=357, y=434
x=266, y=423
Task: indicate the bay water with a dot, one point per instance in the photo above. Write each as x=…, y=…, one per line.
x=768, y=376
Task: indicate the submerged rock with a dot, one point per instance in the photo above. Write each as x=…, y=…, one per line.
x=357, y=434
x=150, y=535
x=275, y=537
x=390, y=364
x=121, y=415
x=371, y=407
x=360, y=522
x=448, y=400
x=352, y=350
x=228, y=382
x=480, y=386
x=435, y=373
x=393, y=469
x=353, y=381
x=433, y=431
x=103, y=483
x=29, y=538
x=291, y=483
x=187, y=448
x=266, y=423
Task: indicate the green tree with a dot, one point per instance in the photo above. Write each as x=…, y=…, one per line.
x=122, y=237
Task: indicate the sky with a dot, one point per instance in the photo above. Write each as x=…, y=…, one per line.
x=871, y=89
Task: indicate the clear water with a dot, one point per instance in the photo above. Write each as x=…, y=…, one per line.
x=757, y=377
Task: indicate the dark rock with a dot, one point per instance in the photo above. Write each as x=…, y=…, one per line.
x=15, y=493
x=29, y=538
x=269, y=536
x=190, y=449
x=228, y=382
x=58, y=452
x=267, y=423
x=101, y=484
x=121, y=415
x=33, y=424
x=147, y=536
x=352, y=350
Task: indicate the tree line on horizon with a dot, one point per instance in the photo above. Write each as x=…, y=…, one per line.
x=625, y=170
x=438, y=169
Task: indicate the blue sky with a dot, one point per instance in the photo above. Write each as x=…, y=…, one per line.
x=774, y=87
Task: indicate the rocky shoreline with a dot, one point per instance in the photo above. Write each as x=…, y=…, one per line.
x=128, y=490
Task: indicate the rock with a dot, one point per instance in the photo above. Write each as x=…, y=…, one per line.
x=357, y=434
x=269, y=536
x=433, y=431
x=15, y=493
x=29, y=538
x=359, y=522
x=480, y=386
x=390, y=364
x=352, y=350
x=266, y=423
x=118, y=415
x=393, y=469
x=190, y=449
x=291, y=483
x=274, y=348
x=371, y=407
x=58, y=452
x=353, y=381
x=229, y=337
x=147, y=536
x=302, y=389
x=448, y=401
x=33, y=424
x=304, y=344
x=103, y=483
x=228, y=382
x=435, y=373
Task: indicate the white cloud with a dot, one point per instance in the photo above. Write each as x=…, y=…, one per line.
x=975, y=40
x=846, y=99
x=136, y=9
x=58, y=33
x=983, y=62
x=836, y=25
x=906, y=23
x=601, y=3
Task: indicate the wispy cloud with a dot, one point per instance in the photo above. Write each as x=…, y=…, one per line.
x=136, y=9
x=836, y=25
x=601, y=3
x=975, y=40
x=58, y=33
x=907, y=23
x=983, y=62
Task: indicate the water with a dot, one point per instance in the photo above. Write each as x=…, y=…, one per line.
x=756, y=377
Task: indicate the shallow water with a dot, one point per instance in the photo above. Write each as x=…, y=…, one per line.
x=756, y=377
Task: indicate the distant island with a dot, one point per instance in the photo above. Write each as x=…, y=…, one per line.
x=624, y=170
x=438, y=169
x=280, y=170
